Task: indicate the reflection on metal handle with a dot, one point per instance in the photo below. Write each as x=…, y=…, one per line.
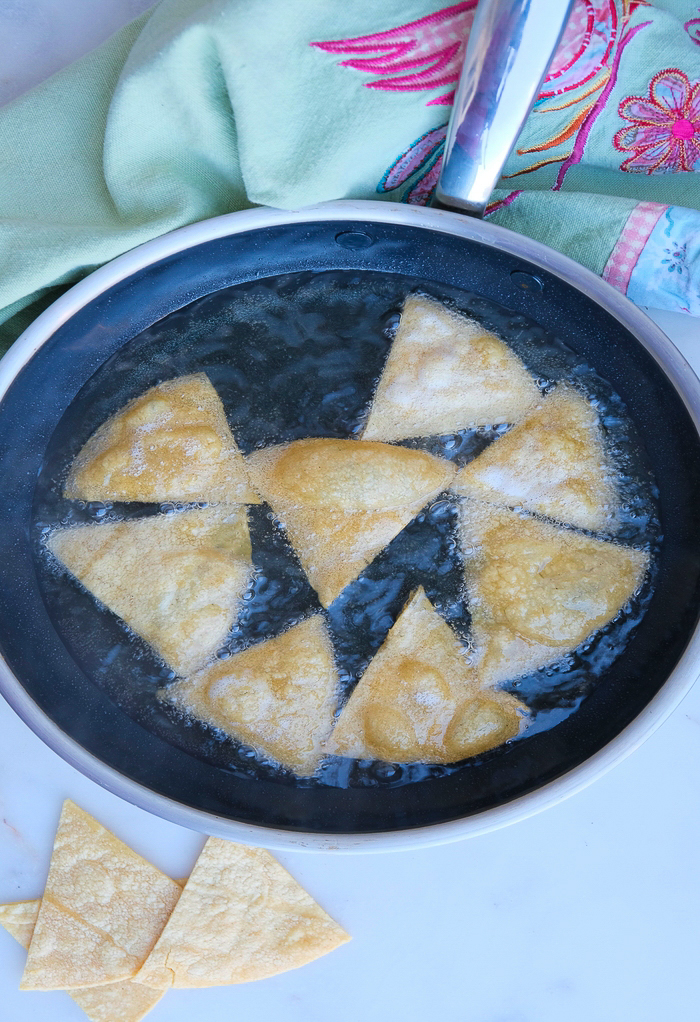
x=509, y=51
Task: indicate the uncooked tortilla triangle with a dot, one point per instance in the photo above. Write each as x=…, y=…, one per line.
x=175, y=579
x=419, y=701
x=334, y=547
x=115, y=1002
x=241, y=917
x=553, y=462
x=171, y=443
x=278, y=696
x=347, y=475
x=445, y=373
x=536, y=590
x=102, y=911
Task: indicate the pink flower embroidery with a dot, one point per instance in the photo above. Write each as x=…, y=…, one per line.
x=584, y=48
x=424, y=54
x=422, y=159
x=427, y=54
x=664, y=135
x=692, y=27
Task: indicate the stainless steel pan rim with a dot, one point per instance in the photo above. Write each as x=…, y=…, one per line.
x=648, y=334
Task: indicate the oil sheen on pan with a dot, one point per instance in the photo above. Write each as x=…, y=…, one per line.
x=312, y=373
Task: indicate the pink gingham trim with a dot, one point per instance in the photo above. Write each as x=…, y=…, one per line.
x=628, y=247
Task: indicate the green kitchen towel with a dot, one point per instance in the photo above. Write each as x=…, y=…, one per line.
x=201, y=107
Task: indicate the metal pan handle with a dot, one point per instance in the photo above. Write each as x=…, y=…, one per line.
x=510, y=48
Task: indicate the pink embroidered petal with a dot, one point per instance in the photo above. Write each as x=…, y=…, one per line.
x=692, y=27
x=427, y=33
x=646, y=161
x=671, y=89
x=381, y=65
x=692, y=153
x=447, y=99
x=673, y=159
x=692, y=108
x=434, y=44
x=391, y=60
x=413, y=159
x=585, y=47
x=624, y=139
x=421, y=193
x=640, y=136
x=635, y=108
x=576, y=37
x=439, y=72
x=662, y=159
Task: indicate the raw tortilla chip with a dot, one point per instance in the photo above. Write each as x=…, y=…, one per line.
x=102, y=911
x=553, y=462
x=278, y=695
x=241, y=917
x=445, y=373
x=171, y=443
x=347, y=475
x=116, y=1002
x=536, y=590
x=175, y=579
x=419, y=700
x=334, y=547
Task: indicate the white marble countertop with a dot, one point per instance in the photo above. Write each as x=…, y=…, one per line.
x=587, y=911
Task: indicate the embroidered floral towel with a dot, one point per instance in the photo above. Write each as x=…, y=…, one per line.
x=201, y=107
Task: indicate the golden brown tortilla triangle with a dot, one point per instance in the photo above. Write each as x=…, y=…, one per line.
x=445, y=373
x=346, y=475
x=278, y=696
x=537, y=590
x=334, y=547
x=504, y=655
x=127, y=1001
x=552, y=462
x=241, y=917
x=171, y=443
x=19, y=919
x=102, y=911
x=176, y=579
x=115, y=1002
x=419, y=699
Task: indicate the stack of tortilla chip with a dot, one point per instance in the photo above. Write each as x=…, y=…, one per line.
x=115, y=932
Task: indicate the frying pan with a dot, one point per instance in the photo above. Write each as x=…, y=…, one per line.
x=158, y=311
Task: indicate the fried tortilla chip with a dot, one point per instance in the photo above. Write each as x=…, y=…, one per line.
x=116, y=1002
x=175, y=579
x=553, y=462
x=102, y=911
x=418, y=701
x=241, y=917
x=444, y=373
x=346, y=475
x=334, y=547
x=19, y=919
x=549, y=586
x=172, y=443
x=278, y=696
x=504, y=655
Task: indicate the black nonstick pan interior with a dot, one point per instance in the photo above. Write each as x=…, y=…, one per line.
x=292, y=324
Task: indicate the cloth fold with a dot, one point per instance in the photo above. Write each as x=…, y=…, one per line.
x=201, y=107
